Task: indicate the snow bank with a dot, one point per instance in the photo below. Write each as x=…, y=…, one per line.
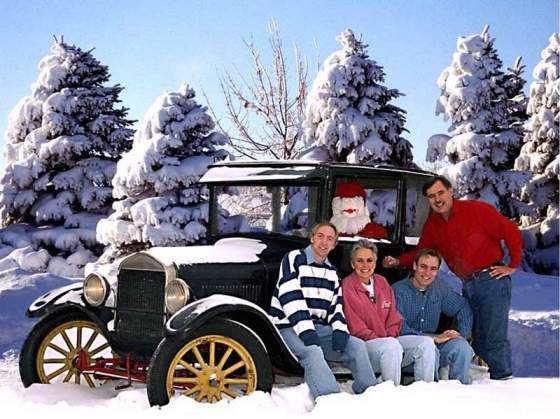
x=518, y=398
x=18, y=289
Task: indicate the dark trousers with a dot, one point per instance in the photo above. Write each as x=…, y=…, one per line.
x=490, y=300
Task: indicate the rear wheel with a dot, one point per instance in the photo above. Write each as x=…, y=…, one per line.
x=58, y=348
x=223, y=359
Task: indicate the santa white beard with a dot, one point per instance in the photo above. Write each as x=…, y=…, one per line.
x=349, y=223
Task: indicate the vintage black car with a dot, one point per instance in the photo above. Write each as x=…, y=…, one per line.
x=193, y=320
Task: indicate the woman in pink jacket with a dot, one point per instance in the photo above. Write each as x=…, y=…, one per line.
x=371, y=313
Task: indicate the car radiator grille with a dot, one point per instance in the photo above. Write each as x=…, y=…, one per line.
x=140, y=305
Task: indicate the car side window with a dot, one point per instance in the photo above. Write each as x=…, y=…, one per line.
x=382, y=203
x=259, y=208
x=417, y=211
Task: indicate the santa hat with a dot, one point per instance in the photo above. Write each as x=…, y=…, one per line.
x=350, y=190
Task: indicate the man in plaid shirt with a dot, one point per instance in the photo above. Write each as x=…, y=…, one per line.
x=421, y=299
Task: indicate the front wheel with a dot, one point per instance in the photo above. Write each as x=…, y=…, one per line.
x=222, y=359
x=59, y=347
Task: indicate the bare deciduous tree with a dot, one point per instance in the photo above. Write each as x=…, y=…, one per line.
x=264, y=112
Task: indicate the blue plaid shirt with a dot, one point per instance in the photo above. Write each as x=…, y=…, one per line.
x=421, y=310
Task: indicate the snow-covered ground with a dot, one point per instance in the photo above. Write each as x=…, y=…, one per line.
x=534, y=328
x=518, y=398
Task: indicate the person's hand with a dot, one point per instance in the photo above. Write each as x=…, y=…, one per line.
x=441, y=338
x=447, y=335
x=499, y=271
x=390, y=262
x=452, y=334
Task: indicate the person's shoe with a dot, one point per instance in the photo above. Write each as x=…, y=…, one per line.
x=504, y=378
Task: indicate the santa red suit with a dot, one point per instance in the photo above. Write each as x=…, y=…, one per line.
x=350, y=215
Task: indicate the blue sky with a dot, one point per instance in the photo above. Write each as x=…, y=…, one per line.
x=153, y=46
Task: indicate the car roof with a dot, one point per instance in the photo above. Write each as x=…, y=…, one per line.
x=242, y=171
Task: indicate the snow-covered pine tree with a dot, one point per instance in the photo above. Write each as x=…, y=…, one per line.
x=516, y=104
x=539, y=155
x=482, y=103
x=510, y=181
x=62, y=143
x=349, y=117
x=160, y=202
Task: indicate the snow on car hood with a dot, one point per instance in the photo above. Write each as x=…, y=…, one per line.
x=231, y=250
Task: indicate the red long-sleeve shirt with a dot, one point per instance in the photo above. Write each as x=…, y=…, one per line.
x=470, y=238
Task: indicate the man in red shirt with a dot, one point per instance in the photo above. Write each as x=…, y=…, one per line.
x=469, y=234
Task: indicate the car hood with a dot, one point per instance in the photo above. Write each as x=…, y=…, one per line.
x=228, y=250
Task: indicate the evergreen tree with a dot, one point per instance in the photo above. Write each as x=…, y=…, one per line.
x=160, y=202
x=539, y=155
x=472, y=86
x=516, y=105
x=349, y=117
x=510, y=181
x=62, y=143
x=484, y=105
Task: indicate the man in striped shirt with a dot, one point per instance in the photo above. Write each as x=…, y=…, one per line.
x=307, y=309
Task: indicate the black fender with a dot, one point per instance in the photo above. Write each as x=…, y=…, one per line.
x=67, y=295
x=250, y=315
x=71, y=295
x=99, y=317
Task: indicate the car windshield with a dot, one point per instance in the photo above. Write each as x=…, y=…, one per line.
x=284, y=209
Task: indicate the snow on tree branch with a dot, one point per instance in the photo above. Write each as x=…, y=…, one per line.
x=160, y=202
x=62, y=142
x=539, y=155
x=349, y=117
x=486, y=108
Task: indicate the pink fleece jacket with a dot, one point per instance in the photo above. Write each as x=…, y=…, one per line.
x=367, y=320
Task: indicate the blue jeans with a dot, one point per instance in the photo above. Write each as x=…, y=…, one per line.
x=389, y=355
x=386, y=355
x=317, y=372
x=458, y=354
x=421, y=353
x=490, y=300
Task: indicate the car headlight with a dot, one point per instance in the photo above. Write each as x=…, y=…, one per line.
x=95, y=290
x=177, y=294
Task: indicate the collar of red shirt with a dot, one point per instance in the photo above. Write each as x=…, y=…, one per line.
x=456, y=208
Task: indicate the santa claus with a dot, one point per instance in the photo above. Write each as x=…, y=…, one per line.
x=350, y=215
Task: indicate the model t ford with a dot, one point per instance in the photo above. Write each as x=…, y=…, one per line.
x=193, y=320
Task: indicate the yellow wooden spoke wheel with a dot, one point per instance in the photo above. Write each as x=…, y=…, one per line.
x=69, y=348
x=221, y=359
x=210, y=368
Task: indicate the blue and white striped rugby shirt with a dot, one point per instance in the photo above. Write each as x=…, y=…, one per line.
x=308, y=293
